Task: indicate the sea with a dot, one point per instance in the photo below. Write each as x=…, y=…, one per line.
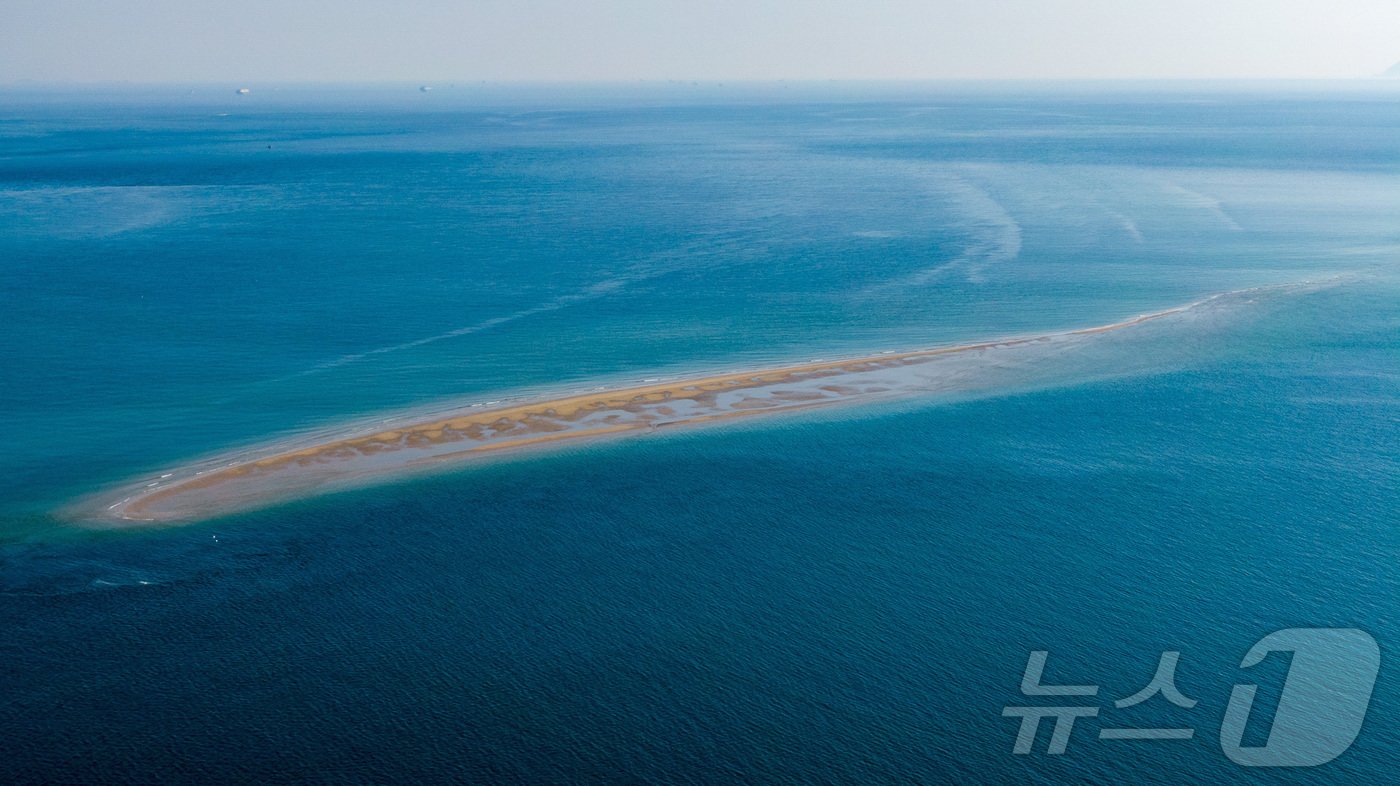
x=848, y=595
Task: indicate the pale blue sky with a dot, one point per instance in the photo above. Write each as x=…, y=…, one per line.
x=550, y=40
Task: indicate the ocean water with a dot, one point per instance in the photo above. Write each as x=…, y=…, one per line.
x=844, y=596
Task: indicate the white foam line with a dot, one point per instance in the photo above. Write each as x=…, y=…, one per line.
x=275, y=449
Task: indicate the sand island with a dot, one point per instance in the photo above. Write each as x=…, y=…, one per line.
x=242, y=481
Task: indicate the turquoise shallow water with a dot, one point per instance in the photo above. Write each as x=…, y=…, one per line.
x=847, y=596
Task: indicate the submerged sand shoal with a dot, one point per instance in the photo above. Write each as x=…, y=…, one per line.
x=240, y=483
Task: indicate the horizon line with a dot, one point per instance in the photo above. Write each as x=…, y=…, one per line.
x=1381, y=77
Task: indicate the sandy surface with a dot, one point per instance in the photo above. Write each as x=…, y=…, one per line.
x=237, y=483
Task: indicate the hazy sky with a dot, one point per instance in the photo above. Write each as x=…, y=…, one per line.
x=425, y=40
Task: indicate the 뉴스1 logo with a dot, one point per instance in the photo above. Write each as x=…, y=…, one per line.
x=1319, y=715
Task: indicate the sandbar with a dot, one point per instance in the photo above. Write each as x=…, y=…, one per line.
x=238, y=482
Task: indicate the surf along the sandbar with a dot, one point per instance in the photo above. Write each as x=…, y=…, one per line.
x=242, y=481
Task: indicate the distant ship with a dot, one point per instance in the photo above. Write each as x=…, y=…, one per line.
x=243, y=91
x=424, y=89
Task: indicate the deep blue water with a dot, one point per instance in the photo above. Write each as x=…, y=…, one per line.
x=847, y=596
